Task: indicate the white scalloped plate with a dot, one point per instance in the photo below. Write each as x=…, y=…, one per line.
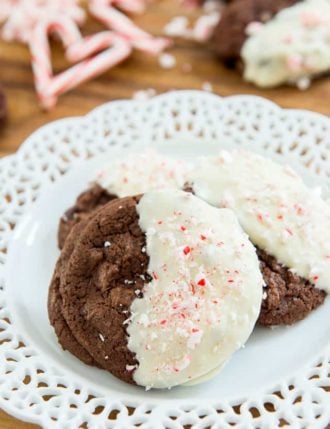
x=280, y=376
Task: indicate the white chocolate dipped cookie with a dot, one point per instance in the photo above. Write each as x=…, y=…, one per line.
x=293, y=47
x=136, y=174
x=288, y=221
x=197, y=311
x=160, y=290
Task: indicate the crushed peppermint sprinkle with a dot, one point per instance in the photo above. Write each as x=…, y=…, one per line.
x=144, y=94
x=260, y=217
x=288, y=230
x=107, y=244
x=311, y=18
x=167, y=61
x=253, y=28
x=303, y=83
x=295, y=62
x=201, y=282
x=187, y=250
x=207, y=86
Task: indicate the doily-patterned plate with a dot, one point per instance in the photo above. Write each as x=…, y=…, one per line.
x=281, y=377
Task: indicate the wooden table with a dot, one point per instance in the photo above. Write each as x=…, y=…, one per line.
x=139, y=72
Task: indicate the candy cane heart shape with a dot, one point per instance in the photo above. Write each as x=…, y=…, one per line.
x=49, y=87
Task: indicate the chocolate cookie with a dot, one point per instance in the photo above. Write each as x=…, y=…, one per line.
x=62, y=330
x=88, y=201
x=230, y=33
x=286, y=220
x=138, y=315
x=289, y=297
x=96, y=314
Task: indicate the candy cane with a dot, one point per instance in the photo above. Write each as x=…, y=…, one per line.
x=119, y=49
x=6, y=7
x=50, y=87
x=122, y=25
x=69, y=33
x=132, y=6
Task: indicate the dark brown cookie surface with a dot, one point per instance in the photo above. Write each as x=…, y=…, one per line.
x=105, y=272
x=290, y=298
x=86, y=202
x=65, y=336
x=230, y=33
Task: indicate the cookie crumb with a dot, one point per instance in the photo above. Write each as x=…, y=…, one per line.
x=207, y=86
x=144, y=94
x=303, y=83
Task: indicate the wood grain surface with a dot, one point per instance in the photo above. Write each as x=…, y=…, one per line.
x=138, y=72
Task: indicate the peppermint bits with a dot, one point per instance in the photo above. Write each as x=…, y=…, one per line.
x=186, y=250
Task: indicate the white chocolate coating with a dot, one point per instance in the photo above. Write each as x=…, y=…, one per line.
x=143, y=172
x=277, y=210
x=205, y=295
x=295, y=44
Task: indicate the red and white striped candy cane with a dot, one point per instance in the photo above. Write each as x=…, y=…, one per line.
x=119, y=49
x=49, y=87
x=131, y=6
x=122, y=25
x=69, y=33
